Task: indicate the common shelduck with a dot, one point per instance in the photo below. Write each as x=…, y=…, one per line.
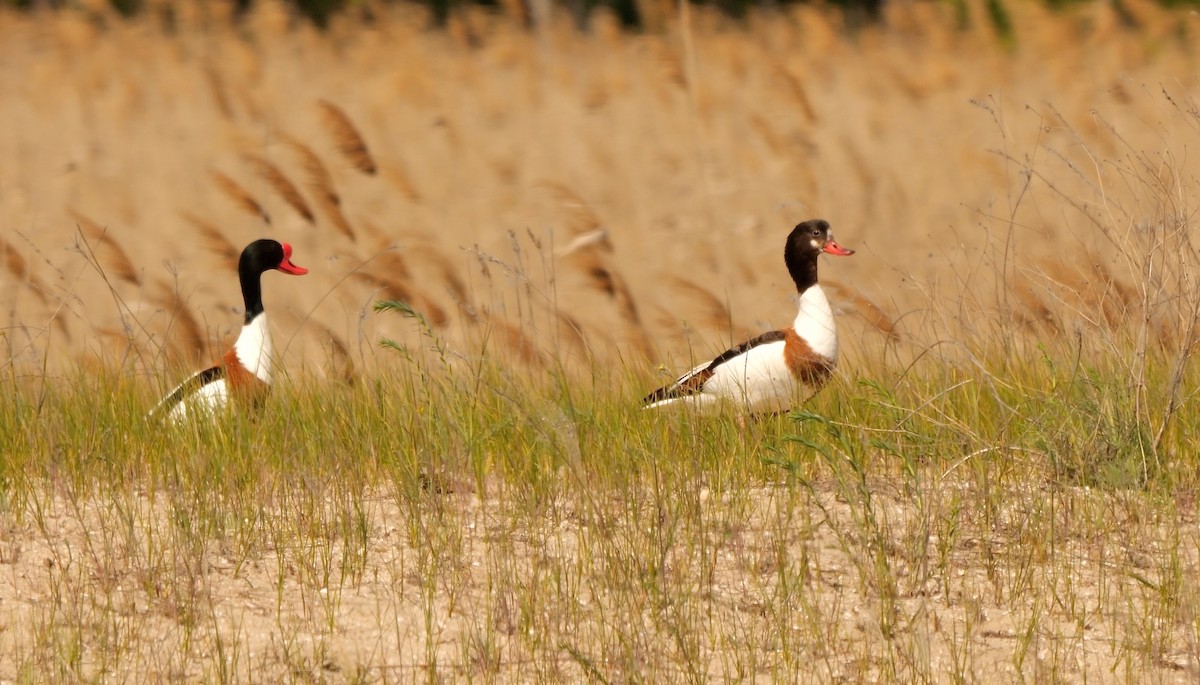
x=771, y=372
x=244, y=372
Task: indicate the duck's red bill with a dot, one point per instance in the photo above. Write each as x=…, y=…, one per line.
x=833, y=248
x=287, y=266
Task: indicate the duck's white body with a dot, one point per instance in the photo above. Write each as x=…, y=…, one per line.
x=779, y=369
x=254, y=350
x=757, y=376
x=207, y=392
x=244, y=372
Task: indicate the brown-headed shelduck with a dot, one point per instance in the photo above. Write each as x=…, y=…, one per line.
x=244, y=372
x=770, y=373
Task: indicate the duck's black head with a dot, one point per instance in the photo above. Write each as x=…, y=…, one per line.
x=258, y=257
x=804, y=244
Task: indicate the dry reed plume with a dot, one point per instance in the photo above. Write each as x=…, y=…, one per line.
x=402, y=181
x=589, y=250
x=715, y=312
x=287, y=190
x=320, y=182
x=340, y=364
x=193, y=340
x=513, y=340
x=674, y=148
x=346, y=137
x=117, y=258
x=214, y=239
x=241, y=198
x=216, y=88
x=863, y=307
x=18, y=268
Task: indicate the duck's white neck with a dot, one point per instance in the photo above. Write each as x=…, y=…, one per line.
x=814, y=322
x=253, y=348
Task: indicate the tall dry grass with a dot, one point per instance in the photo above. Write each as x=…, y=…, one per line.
x=659, y=178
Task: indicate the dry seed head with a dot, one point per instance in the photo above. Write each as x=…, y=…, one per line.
x=402, y=181
x=868, y=310
x=319, y=178
x=213, y=239
x=1036, y=314
x=114, y=254
x=716, y=313
x=216, y=88
x=392, y=263
x=339, y=220
x=570, y=330
x=282, y=185
x=190, y=330
x=515, y=341
x=340, y=362
x=18, y=267
x=346, y=137
x=794, y=87
x=580, y=216
x=389, y=288
x=320, y=182
x=428, y=254
x=241, y=197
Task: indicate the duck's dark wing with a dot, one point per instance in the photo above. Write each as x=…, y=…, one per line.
x=189, y=386
x=693, y=381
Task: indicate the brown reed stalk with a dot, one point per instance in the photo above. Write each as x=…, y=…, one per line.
x=320, y=182
x=515, y=341
x=241, y=197
x=434, y=314
x=581, y=218
x=118, y=259
x=574, y=333
x=216, y=88
x=865, y=308
x=429, y=255
x=799, y=94
x=402, y=181
x=396, y=289
x=287, y=190
x=391, y=262
x=213, y=239
x=391, y=289
x=1036, y=313
x=120, y=337
x=603, y=276
x=590, y=251
x=190, y=330
x=339, y=220
x=18, y=267
x=716, y=312
x=339, y=354
x=1118, y=296
x=670, y=62
x=346, y=137
x=319, y=178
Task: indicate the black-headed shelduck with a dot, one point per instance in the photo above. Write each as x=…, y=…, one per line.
x=771, y=372
x=244, y=372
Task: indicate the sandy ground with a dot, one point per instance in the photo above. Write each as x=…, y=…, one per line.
x=788, y=593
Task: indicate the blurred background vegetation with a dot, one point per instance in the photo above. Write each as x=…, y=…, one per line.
x=634, y=14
